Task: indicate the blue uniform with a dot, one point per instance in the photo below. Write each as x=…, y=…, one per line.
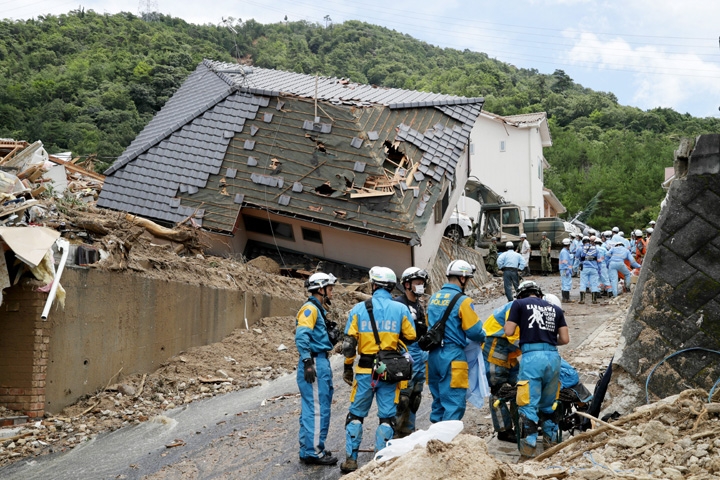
x=501, y=354
x=411, y=395
x=539, y=378
x=565, y=266
x=618, y=254
x=394, y=321
x=447, y=365
x=575, y=248
x=312, y=341
x=590, y=274
x=602, y=262
x=510, y=262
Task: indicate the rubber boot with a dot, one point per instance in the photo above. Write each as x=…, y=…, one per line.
x=582, y=298
x=594, y=297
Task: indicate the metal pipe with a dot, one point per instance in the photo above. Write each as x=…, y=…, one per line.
x=63, y=245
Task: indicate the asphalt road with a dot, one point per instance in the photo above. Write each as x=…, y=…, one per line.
x=250, y=433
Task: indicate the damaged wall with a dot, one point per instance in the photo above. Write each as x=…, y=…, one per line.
x=114, y=320
x=676, y=304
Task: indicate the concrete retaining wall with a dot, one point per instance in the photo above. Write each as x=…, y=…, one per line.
x=676, y=304
x=114, y=320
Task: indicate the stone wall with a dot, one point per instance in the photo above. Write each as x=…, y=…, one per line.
x=676, y=304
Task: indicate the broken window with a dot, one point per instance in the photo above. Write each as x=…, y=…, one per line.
x=311, y=235
x=268, y=227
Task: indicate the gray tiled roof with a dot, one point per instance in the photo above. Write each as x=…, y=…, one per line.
x=207, y=152
x=263, y=81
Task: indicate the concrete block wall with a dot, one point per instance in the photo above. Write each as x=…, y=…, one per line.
x=110, y=321
x=24, y=345
x=676, y=304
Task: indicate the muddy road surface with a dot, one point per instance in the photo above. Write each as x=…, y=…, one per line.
x=253, y=433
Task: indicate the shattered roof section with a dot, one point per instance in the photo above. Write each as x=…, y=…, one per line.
x=263, y=81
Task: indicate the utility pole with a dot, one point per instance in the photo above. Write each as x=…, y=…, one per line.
x=327, y=20
x=148, y=10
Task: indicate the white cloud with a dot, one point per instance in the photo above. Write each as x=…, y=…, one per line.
x=659, y=77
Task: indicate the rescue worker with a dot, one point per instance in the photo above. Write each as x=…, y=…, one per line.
x=314, y=338
x=589, y=270
x=652, y=223
x=501, y=354
x=575, y=250
x=625, y=241
x=565, y=266
x=492, y=257
x=510, y=262
x=545, y=247
x=542, y=327
x=525, y=251
x=447, y=365
x=649, y=232
x=605, y=286
x=640, y=247
x=394, y=324
x=608, y=241
x=414, y=280
x=618, y=254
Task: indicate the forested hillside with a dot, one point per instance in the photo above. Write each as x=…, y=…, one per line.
x=88, y=82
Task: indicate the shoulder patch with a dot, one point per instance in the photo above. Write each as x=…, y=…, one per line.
x=307, y=312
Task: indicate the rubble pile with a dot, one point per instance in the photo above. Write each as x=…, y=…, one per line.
x=675, y=438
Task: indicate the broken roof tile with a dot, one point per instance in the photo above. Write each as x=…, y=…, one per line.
x=372, y=136
x=239, y=197
x=419, y=177
x=359, y=167
x=280, y=105
x=253, y=131
x=267, y=118
x=356, y=142
x=252, y=162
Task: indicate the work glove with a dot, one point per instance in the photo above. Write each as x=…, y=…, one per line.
x=348, y=374
x=309, y=370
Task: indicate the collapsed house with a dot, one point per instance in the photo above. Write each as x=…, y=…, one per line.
x=276, y=161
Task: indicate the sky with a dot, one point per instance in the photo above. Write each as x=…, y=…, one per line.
x=649, y=53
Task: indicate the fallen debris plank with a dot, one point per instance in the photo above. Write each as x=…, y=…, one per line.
x=601, y=422
x=177, y=443
x=211, y=379
x=158, y=230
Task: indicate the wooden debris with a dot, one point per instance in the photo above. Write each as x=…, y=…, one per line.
x=177, y=443
x=211, y=379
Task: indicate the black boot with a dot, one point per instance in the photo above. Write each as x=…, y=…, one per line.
x=594, y=297
x=507, y=436
x=582, y=298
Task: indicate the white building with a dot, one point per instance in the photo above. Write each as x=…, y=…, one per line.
x=506, y=154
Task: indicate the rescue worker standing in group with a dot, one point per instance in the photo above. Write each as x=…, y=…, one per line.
x=545, y=248
x=511, y=263
x=525, y=251
x=542, y=327
x=394, y=324
x=314, y=338
x=447, y=364
x=589, y=270
x=565, y=263
x=501, y=354
x=492, y=257
x=616, y=263
x=414, y=280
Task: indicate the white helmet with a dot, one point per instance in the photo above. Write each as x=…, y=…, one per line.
x=383, y=276
x=460, y=268
x=650, y=230
x=622, y=234
x=549, y=297
x=319, y=280
x=566, y=241
x=522, y=235
x=615, y=229
x=652, y=223
x=608, y=234
x=509, y=245
x=412, y=273
x=638, y=233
